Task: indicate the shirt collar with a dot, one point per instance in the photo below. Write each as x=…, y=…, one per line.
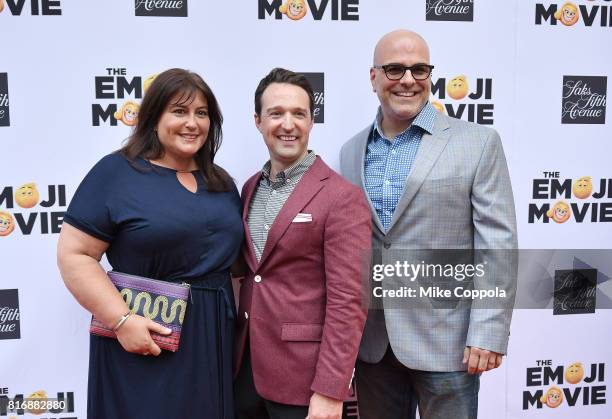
x=292, y=172
x=424, y=120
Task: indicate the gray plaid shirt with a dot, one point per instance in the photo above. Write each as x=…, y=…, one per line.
x=269, y=198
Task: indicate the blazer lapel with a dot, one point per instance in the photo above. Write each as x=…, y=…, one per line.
x=249, y=252
x=310, y=184
x=430, y=149
x=359, y=167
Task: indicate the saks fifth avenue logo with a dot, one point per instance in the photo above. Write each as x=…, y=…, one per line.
x=471, y=98
x=591, y=13
x=449, y=10
x=593, y=200
x=9, y=314
x=575, y=291
x=584, y=100
x=175, y=8
x=561, y=385
x=4, y=101
x=317, y=82
x=297, y=9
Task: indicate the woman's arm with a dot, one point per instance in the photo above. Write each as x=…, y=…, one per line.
x=78, y=258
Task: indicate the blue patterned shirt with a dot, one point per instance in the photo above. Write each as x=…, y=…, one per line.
x=388, y=163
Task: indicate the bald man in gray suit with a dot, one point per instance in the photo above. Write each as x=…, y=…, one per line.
x=432, y=182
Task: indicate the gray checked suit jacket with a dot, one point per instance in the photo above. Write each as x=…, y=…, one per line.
x=457, y=196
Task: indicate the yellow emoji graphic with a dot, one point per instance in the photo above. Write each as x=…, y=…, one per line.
x=7, y=224
x=38, y=395
x=27, y=195
x=568, y=14
x=553, y=397
x=148, y=81
x=294, y=9
x=574, y=373
x=128, y=113
x=457, y=88
x=583, y=187
x=1, y=5
x=560, y=212
x=439, y=107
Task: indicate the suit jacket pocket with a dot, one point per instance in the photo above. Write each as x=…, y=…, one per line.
x=442, y=183
x=301, y=332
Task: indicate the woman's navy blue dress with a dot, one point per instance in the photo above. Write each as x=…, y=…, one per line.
x=158, y=229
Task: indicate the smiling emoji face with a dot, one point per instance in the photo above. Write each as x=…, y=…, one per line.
x=147, y=82
x=38, y=395
x=583, y=187
x=7, y=224
x=568, y=14
x=560, y=212
x=457, y=88
x=294, y=9
x=438, y=106
x=27, y=195
x=574, y=373
x=553, y=397
x=128, y=113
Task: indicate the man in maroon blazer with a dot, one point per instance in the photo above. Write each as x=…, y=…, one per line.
x=308, y=238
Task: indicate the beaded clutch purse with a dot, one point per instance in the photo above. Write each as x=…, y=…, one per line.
x=163, y=302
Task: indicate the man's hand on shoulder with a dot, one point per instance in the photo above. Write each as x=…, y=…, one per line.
x=480, y=360
x=323, y=407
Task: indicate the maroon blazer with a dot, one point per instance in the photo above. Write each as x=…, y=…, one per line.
x=303, y=306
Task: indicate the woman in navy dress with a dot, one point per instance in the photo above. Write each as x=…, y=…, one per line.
x=159, y=208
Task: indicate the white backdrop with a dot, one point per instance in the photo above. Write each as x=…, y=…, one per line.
x=53, y=50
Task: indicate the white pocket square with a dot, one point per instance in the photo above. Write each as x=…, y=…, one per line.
x=302, y=218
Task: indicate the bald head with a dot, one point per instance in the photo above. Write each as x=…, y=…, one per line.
x=402, y=99
x=400, y=39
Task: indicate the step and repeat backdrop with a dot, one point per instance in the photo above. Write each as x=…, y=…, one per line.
x=71, y=80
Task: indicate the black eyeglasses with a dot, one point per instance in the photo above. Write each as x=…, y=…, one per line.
x=396, y=71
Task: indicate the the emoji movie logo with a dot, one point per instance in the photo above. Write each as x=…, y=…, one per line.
x=560, y=191
x=568, y=13
x=27, y=196
x=564, y=384
x=63, y=403
x=297, y=9
x=115, y=85
x=37, y=7
x=458, y=88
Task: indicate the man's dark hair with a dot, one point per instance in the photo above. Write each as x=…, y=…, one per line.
x=280, y=75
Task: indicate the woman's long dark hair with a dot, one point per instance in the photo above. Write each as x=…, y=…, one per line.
x=144, y=142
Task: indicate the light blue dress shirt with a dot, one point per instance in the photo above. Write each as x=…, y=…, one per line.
x=388, y=163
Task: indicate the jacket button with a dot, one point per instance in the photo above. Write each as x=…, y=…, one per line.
x=246, y=315
x=387, y=245
x=257, y=278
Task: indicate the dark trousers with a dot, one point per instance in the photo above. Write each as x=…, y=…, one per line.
x=390, y=390
x=250, y=405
